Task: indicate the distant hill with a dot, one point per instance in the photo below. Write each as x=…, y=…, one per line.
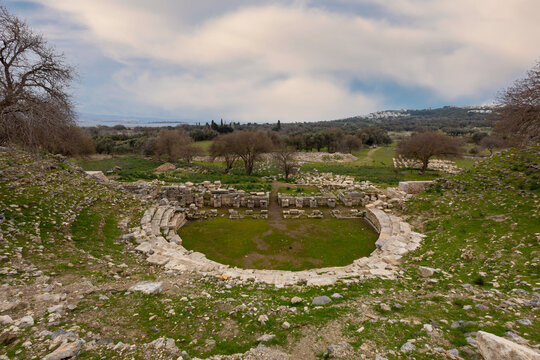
x=451, y=119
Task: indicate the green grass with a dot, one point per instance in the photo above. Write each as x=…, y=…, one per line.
x=95, y=230
x=465, y=163
x=380, y=175
x=483, y=211
x=294, y=244
x=126, y=163
x=204, y=145
x=298, y=189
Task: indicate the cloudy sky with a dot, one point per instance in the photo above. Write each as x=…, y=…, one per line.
x=297, y=60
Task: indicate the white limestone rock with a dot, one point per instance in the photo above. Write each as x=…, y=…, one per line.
x=425, y=271
x=494, y=347
x=148, y=287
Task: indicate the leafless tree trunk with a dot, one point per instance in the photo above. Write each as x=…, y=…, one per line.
x=518, y=113
x=222, y=146
x=286, y=161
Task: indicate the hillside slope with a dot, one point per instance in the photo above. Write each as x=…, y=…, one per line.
x=66, y=271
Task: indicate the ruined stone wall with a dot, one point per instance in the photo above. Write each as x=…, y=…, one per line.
x=307, y=201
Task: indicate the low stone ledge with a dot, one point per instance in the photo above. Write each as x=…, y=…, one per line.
x=414, y=187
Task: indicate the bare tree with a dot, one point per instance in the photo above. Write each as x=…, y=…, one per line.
x=492, y=142
x=222, y=147
x=249, y=145
x=35, y=108
x=423, y=146
x=351, y=143
x=175, y=144
x=518, y=113
x=286, y=161
x=188, y=150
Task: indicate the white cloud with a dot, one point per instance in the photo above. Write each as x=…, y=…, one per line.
x=292, y=61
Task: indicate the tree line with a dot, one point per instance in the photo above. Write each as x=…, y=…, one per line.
x=36, y=112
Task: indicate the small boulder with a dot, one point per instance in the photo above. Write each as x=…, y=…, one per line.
x=296, y=300
x=66, y=351
x=148, y=287
x=494, y=347
x=26, y=321
x=425, y=271
x=321, y=300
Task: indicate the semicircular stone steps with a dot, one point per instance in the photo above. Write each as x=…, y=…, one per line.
x=161, y=244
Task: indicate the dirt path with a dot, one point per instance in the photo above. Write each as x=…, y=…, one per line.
x=274, y=211
x=371, y=152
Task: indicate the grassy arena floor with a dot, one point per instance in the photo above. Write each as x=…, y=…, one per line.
x=294, y=244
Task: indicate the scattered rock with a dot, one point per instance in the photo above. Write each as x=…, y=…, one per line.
x=296, y=300
x=407, y=347
x=7, y=338
x=26, y=321
x=166, y=344
x=148, y=287
x=343, y=349
x=285, y=325
x=263, y=319
x=6, y=320
x=266, y=337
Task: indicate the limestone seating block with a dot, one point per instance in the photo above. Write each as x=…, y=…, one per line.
x=144, y=248
x=404, y=227
x=494, y=347
x=167, y=215
x=381, y=272
x=159, y=214
x=157, y=259
x=395, y=240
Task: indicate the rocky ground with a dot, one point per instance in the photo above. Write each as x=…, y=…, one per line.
x=68, y=278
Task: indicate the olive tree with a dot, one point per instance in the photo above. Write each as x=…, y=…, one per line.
x=249, y=146
x=222, y=147
x=423, y=146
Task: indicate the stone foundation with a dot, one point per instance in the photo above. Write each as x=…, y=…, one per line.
x=327, y=200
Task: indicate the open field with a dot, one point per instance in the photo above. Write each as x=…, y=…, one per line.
x=284, y=245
